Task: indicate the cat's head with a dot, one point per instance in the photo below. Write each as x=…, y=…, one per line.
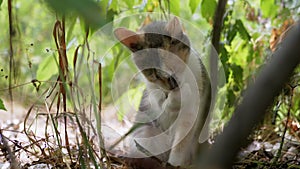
x=160, y=50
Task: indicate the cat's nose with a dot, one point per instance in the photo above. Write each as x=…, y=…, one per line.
x=172, y=82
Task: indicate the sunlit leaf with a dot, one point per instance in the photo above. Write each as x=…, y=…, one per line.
x=114, y=5
x=175, y=7
x=193, y=5
x=208, y=9
x=129, y=3
x=2, y=107
x=239, y=50
x=46, y=69
x=268, y=8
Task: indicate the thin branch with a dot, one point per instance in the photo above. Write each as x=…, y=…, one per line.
x=216, y=35
x=218, y=23
x=6, y=149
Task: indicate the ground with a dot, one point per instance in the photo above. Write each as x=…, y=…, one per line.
x=262, y=152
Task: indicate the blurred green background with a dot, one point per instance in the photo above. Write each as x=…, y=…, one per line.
x=249, y=28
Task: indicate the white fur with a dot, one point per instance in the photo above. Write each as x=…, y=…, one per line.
x=186, y=107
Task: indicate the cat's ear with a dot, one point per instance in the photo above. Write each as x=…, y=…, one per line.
x=129, y=38
x=174, y=27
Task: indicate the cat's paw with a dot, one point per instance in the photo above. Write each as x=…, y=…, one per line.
x=156, y=97
x=178, y=158
x=173, y=101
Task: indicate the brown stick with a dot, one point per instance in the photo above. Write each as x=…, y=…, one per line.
x=11, y=53
x=216, y=35
x=14, y=164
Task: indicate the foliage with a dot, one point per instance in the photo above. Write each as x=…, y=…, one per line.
x=93, y=14
x=2, y=107
x=208, y=9
x=87, y=26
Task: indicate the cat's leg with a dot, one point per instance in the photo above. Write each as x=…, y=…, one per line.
x=185, y=146
x=185, y=140
x=147, y=141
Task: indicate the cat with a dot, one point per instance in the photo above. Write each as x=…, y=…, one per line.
x=176, y=101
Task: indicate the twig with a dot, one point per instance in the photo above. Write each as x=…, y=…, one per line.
x=102, y=147
x=216, y=35
x=6, y=149
x=60, y=41
x=217, y=26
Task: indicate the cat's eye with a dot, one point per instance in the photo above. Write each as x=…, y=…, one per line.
x=161, y=73
x=151, y=74
x=174, y=41
x=158, y=77
x=136, y=46
x=148, y=72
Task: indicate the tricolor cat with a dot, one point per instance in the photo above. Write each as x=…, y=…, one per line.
x=176, y=101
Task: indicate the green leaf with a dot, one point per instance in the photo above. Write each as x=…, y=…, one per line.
x=237, y=73
x=2, y=107
x=71, y=28
x=268, y=8
x=230, y=97
x=129, y=3
x=175, y=6
x=114, y=5
x=46, y=69
x=231, y=34
x=193, y=5
x=224, y=60
x=1, y=2
x=242, y=30
x=93, y=14
x=208, y=9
